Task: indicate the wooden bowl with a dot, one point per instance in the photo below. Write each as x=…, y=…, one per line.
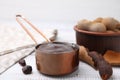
x=98, y=41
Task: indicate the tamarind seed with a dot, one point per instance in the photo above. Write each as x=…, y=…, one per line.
x=27, y=69
x=22, y=62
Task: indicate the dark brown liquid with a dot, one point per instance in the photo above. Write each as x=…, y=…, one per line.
x=55, y=48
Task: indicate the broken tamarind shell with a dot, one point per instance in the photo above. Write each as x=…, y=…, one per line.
x=97, y=61
x=83, y=56
x=112, y=57
x=105, y=69
x=95, y=58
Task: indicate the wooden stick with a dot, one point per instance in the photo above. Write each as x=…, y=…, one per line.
x=26, y=30
x=34, y=27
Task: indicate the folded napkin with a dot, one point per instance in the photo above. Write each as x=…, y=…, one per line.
x=16, y=44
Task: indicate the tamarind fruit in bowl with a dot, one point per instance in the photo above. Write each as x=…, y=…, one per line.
x=100, y=25
x=99, y=19
x=110, y=23
x=97, y=27
x=83, y=24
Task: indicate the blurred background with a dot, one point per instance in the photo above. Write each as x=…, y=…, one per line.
x=58, y=11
